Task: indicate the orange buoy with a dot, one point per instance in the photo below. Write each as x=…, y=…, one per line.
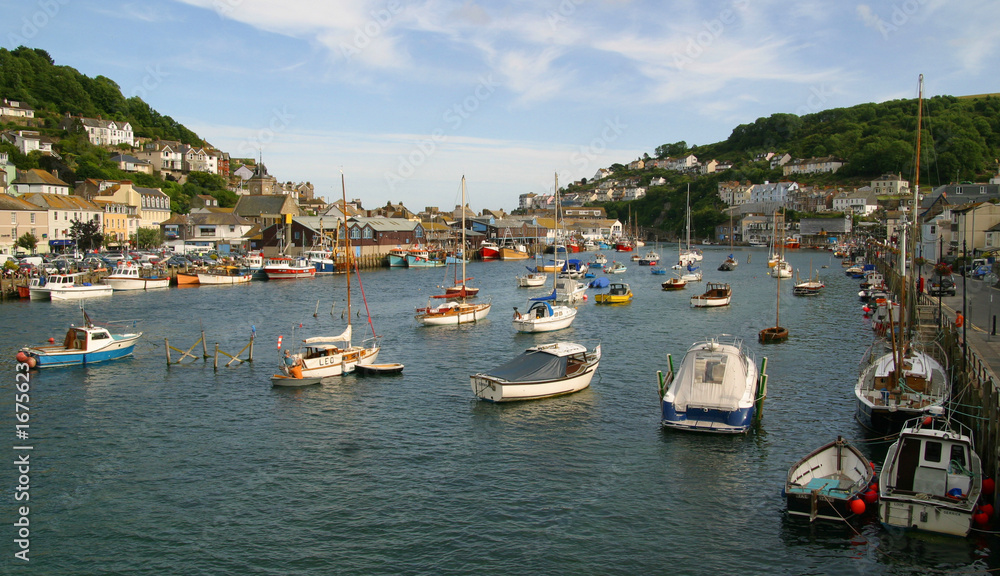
x=858, y=506
x=927, y=421
x=21, y=357
x=32, y=362
x=52, y=340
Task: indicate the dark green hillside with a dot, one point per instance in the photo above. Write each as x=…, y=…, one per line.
x=30, y=75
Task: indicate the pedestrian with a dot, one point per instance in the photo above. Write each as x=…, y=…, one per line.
x=959, y=320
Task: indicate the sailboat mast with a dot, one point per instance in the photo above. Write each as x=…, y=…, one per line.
x=463, y=236
x=347, y=245
x=555, y=257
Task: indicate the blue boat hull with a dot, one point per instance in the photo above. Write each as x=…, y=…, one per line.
x=82, y=358
x=708, y=420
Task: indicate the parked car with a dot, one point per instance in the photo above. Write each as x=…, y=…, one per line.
x=942, y=286
x=177, y=262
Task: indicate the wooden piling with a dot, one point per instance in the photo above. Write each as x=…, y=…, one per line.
x=215, y=363
x=166, y=348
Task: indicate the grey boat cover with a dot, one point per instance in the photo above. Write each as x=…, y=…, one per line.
x=531, y=366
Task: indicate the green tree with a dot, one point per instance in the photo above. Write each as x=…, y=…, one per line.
x=87, y=234
x=146, y=238
x=28, y=242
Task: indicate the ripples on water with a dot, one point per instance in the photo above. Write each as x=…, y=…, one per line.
x=141, y=469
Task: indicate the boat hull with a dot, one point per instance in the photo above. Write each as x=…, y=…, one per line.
x=56, y=356
x=125, y=284
x=707, y=419
x=822, y=485
x=224, y=280
x=512, y=254
x=280, y=380
x=338, y=363
x=494, y=391
x=289, y=273
x=460, y=315
x=80, y=292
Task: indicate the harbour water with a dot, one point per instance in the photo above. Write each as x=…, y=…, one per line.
x=139, y=469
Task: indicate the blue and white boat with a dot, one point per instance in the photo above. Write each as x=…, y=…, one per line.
x=87, y=344
x=322, y=260
x=717, y=388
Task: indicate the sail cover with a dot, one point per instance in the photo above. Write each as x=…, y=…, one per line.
x=319, y=341
x=705, y=382
x=531, y=366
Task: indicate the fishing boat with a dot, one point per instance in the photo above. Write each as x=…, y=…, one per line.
x=127, y=276
x=77, y=290
x=287, y=268
x=540, y=372
x=456, y=310
x=777, y=333
x=826, y=483
x=650, y=258
x=599, y=261
x=422, y=258
x=488, y=250
x=191, y=278
x=87, y=344
x=325, y=356
x=716, y=294
x=397, y=257
x=321, y=259
x=932, y=478
x=512, y=250
x=675, y=283
x=717, y=388
x=618, y=293
x=225, y=275
x=40, y=287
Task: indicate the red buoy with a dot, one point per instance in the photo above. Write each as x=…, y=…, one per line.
x=21, y=357
x=31, y=362
x=52, y=340
x=986, y=509
x=928, y=420
x=870, y=497
x=980, y=518
x=988, y=486
x=858, y=506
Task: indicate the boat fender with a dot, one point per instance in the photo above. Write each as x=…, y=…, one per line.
x=858, y=506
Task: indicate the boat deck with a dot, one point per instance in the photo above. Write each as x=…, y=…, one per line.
x=826, y=486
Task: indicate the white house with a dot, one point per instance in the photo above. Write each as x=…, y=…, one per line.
x=129, y=163
x=890, y=185
x=101, y=132
x=16, y=109
x=772, y=191
x=164, y=155
x=861, y=202
x=813, y=166
x=205, y=228
x=29, y=140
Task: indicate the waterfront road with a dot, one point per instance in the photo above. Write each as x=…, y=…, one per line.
x=980, y=304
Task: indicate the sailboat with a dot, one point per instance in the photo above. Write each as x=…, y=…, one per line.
x=812, y=285
x=323, y=356
x=456, y=310
x=910, y=379
x=776, y=333
x=689, y=256
x=544, y=314
x=781, y=267
x=460, y=287
x=730, y=263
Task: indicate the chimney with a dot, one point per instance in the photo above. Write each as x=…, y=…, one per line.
x=55, y=173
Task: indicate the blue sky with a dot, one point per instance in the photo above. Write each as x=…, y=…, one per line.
x=407, y=96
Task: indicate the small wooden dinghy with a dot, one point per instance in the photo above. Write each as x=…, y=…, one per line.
x=825, y=483
x=292, y=382
x=380, y=369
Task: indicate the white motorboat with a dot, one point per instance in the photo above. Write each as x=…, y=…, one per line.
x=717, y=388
x=531, y=279
x=716, y=294
x=225, y=275
x=65, y=287
x=540, y=372
x=127, y=276
x=932, y=478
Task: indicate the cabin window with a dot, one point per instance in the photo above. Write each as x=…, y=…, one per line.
x=99, y=336
x=932, y=451
x=958, y=455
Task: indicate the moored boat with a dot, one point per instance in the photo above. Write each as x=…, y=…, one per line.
x=540, y=372
x=897, y=385
x=127, y=276
x=675, y=283
x=543, y=316
x=286, y=268
x=87, y=344
x=716, y=294
x=717, y=388
x=618, y=293
x=225, y=275
x=825, y=483
x=932, y=478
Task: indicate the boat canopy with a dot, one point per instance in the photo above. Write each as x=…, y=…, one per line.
x=531, y=366
x=328, y=341
x=601, y=282
x=544, y=298
x=707, y=380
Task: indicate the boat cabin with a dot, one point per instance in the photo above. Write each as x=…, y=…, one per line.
x=937, y=465
x=77, y=338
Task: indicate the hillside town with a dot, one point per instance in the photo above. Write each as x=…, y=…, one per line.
x=275, y=216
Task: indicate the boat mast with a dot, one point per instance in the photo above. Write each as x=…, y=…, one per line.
x=347, y=247
x=777, y=299
x=463, y=238
x=555, y=256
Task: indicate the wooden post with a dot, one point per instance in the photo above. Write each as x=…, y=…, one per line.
x=204, y=345
x=215, y=364
x=166, y=347
x=252, y=338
